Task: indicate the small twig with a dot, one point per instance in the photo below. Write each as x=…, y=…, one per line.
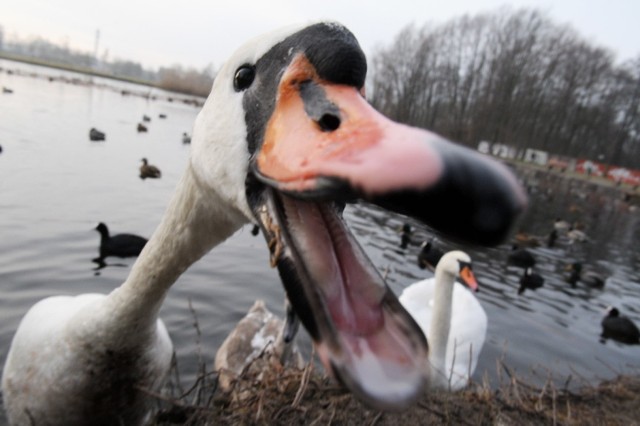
x=553, y=405
x=434, y=411
x=385, y=274
x=540, y=403
x=376, y=418
x=199, y=380
x=260, y=405
x=173, y=401
x=304, y=381
x=566, y=383
x=333, y=414
x=196, y=325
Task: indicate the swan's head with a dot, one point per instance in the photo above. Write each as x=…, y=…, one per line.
x=287, y=138
x=457, y=264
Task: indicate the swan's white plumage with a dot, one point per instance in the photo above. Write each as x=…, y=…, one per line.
x=60, y=366
x=467, y=331
x=54, y=348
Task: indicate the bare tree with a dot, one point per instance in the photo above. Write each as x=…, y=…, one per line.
x=513, y=77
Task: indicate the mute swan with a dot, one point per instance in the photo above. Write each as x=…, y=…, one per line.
x=285, y=139
x=149, y=171
x=260, y=334
x=452, y=319
x=620, y=328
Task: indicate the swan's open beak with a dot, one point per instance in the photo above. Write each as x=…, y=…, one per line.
x=324, y=145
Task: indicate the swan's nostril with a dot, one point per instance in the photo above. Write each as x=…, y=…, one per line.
x=329, y=122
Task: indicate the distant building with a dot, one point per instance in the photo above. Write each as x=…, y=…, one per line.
x=562, y=163
x=536, y=156
x=620, y=174
x=590, y=168
x=503, y=151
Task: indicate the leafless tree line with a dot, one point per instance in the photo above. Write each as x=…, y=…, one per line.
x=175, y=78
x=512, y=77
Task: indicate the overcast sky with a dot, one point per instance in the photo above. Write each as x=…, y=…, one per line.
x=197, y=33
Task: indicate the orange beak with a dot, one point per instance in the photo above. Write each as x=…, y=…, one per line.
x=339, y=135
x=468, y=279
x=323, y=140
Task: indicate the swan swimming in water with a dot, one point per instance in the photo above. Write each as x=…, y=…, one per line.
x=85, y=359
x=451, y=317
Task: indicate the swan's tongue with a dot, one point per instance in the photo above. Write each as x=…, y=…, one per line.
x=362, y=333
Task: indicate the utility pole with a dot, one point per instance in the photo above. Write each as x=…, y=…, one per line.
x=95, y=50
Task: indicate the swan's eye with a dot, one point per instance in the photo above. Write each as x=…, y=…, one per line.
x=464, y=264
x=244, y=77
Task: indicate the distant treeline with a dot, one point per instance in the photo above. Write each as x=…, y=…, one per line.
x=512, y=77
x=174, y=78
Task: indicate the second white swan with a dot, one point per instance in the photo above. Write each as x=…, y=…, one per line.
x=452, y=319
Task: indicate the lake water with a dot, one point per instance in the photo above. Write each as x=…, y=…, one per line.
x=56, y=185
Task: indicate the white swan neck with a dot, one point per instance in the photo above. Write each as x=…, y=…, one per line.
x=195, y=221
x=440, y=326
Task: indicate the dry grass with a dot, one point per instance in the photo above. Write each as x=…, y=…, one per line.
x=268, y=395
x=291, y=396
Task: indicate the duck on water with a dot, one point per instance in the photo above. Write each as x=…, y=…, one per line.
x=149, y=170
x=87, y=359
x=120, y=245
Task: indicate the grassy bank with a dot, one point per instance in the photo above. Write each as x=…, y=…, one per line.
x=73, y=68
x=189, y=83
x=291, y=396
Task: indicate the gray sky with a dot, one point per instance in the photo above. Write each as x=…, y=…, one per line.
x=196, y=33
